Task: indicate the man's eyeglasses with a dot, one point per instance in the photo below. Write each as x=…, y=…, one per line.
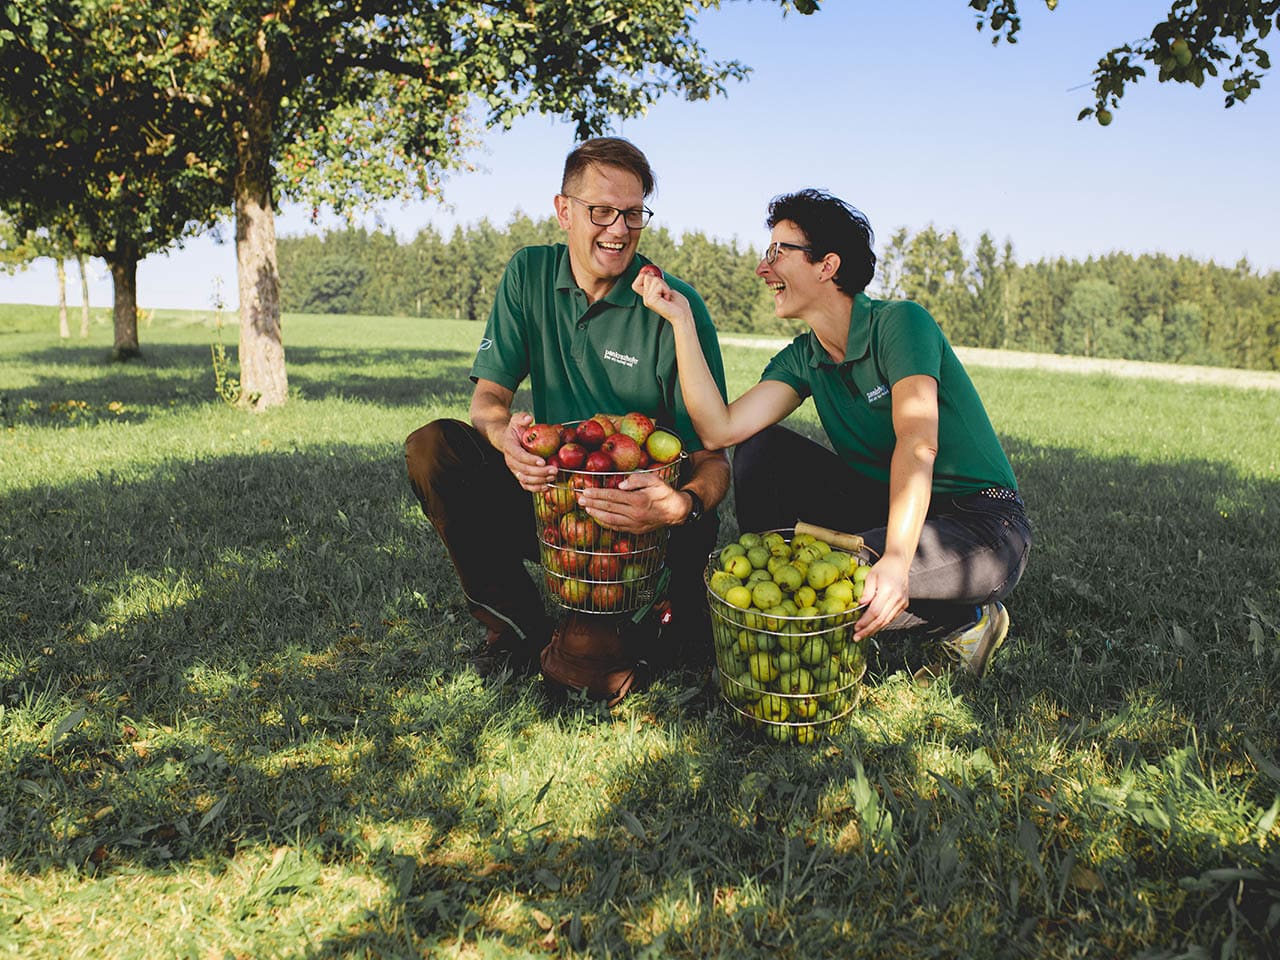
x=605, y=216
x=771, y=251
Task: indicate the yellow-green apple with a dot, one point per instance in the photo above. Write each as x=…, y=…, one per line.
x=663, y=446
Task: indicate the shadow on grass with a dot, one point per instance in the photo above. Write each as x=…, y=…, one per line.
x=176, y=376
x=265, y=650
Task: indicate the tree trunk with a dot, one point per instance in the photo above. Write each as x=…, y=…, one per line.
x=64, y=328
x=124, y=277
x=263, y=380
x=84, y=296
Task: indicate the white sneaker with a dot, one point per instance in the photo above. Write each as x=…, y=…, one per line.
x=975, y=643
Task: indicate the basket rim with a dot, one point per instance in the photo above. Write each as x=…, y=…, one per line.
x=714, y=556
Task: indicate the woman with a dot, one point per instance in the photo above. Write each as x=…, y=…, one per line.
x=917, y=468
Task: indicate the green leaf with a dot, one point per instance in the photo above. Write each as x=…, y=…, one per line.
x=64, y=726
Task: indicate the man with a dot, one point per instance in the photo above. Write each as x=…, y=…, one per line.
x=566, y=319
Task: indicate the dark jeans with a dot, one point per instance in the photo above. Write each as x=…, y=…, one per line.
x=486, y=522
x=973, y=549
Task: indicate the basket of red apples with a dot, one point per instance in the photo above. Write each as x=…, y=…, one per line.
x=588, y=567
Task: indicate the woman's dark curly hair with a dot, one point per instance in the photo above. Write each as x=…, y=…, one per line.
x=831, y=226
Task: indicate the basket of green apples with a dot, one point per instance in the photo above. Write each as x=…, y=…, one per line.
x=783, y=607
x=588, y=567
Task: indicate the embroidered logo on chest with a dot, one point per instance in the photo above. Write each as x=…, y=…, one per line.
x=624, y=359
x=879, y=393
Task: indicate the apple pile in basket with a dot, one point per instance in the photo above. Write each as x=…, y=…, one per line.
x=589, y=567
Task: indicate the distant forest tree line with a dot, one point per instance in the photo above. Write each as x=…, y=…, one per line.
x=1148, y=307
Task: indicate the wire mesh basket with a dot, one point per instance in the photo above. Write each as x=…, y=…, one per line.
x=590, y=568
x=789, y=671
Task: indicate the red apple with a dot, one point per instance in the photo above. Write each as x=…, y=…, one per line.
x=541, y=439
x=649, y=270
x=590, y=434
x=606, y=596
x=607, y=421
x=573, y=563
x=623, y=546
x=604, y=566
x=598, y=461
x=578, y=529
x=572, y=455
x=624, y=450
x=637, y=426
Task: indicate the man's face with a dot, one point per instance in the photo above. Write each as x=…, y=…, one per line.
x=599, y=255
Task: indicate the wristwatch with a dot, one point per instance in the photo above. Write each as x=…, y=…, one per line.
x=697, y=506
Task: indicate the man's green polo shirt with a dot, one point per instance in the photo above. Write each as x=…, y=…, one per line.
x=890, y=340
x=611, y=356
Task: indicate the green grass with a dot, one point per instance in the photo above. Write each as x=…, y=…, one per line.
x=233, y=722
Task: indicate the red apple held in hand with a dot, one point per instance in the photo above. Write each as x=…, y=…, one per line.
x=663, y=446
x=572, y=455
x=649, y=270
x=637, y=426
x=541, y=439
x=590, y=434
x=598, y=462
x=624, y=450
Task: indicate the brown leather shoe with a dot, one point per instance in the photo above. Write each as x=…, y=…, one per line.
x=589, y=652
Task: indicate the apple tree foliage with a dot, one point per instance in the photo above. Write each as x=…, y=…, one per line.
x=324, y=101
x=1195, y=40
x=92, y=149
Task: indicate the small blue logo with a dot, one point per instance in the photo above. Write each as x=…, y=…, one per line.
x=485, y=343
x=879, y=393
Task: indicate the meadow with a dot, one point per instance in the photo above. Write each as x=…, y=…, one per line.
x=234, y=720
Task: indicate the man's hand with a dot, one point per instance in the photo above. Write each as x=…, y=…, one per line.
x=642, y=502
x=531, y=471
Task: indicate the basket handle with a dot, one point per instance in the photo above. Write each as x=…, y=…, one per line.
x=845, y=541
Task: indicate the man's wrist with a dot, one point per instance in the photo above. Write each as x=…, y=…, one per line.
x=696, y=507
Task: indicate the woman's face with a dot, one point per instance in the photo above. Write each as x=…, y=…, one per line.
x=791, y=276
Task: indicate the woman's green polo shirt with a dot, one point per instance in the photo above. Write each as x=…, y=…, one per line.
x=612, y=356
x=890, y=340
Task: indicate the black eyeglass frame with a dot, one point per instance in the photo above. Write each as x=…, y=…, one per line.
x=644, y=212
x=771, y=251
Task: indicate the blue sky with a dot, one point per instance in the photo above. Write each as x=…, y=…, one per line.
x=905, y=110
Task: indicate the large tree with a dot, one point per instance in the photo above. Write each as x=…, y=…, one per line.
x=90, y=136
x=351, y=103
x=1195, y=40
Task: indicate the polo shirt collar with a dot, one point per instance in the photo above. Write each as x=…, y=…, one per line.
x=859, y=342
x=620, y=294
